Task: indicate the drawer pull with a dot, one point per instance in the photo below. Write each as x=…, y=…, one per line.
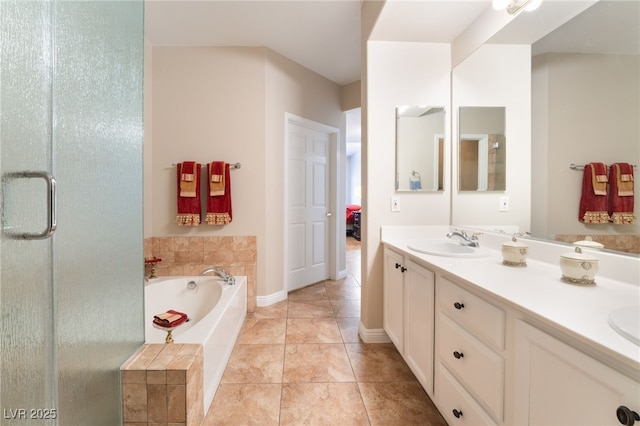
x=458, y=355
x=626, y=416
x=458, y=305
x=457, y=413
x=397, y=265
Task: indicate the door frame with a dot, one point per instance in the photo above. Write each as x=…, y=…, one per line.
x=336, y=203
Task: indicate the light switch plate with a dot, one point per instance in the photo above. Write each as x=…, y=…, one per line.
x=395, y=204
x=504, y=203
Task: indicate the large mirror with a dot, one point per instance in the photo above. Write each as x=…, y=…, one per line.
x=482, y=147
x=585, y=104
x=420, y=140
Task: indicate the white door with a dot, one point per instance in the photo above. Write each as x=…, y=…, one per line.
x=308, y=201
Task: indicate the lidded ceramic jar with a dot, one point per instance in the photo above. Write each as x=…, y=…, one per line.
x=578, y=267
x=589, y=243
x=514, y=253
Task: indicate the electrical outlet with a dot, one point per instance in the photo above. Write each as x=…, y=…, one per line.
x=395, y=204
x=504, y=204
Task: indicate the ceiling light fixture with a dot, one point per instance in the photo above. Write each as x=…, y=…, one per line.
x=515, y=6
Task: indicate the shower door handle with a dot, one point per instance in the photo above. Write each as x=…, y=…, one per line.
x=52, y=204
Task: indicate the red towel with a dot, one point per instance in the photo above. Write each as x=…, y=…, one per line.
x=219, y=204
x=188, y=193
x=170, y=318
x=621, y=194
x=593, y=201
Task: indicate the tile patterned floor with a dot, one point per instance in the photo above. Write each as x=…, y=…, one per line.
x=301, y=362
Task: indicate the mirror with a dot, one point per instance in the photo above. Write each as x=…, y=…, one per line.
x=585, y=104
x=482, y=149
x=420, y=137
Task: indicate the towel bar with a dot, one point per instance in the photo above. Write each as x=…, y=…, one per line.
x=573, y=166
x=232, y=166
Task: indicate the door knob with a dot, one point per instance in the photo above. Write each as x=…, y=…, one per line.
x=328, y=214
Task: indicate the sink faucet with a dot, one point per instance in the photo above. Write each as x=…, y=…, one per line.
x=229, y=279
x=465, y=240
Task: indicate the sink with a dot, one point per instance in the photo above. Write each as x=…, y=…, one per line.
x=446, y=248
x=626, y=321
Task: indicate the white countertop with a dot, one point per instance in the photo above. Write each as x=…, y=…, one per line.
x=538, y=291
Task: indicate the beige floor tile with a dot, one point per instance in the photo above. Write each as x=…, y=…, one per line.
x=349, y=329
x=277, y=310
x=346, y=308
x=322, y=404
x=310, y=309
x=312, y=292
x=245, y=404
x=255, y=364
x=313, y=330
x=399, y=403
x=338, y=291
x=378, y=362
x=313, y=362
x=263, y=330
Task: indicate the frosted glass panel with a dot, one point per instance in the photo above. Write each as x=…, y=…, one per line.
x=27, y=357
x=72, y=305
x=98, y=248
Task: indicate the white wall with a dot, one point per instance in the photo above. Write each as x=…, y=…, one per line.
x=397, y=73
x=587, y=108
x=229, y=103
x=497, y=75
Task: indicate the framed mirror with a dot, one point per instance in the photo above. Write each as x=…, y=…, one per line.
x=420, y=142
x=481, y=149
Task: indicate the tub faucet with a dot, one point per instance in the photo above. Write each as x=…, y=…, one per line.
x=465, y=240
x=229, y=279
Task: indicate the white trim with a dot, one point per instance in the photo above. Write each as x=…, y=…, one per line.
x=336, y=206
x=372, y=335
x=272, y=298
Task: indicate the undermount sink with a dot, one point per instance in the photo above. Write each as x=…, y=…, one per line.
x=447, y=248
x=626, y=321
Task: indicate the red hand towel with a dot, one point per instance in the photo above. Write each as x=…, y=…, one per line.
x=170, y=318
x=188, y=193
x=621, y=194
x=219, y=206
x=593, y=201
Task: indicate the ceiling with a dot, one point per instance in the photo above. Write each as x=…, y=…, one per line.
x=324, y=35
x=321, y=35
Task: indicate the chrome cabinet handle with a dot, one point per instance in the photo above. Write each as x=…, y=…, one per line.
x=52, y=204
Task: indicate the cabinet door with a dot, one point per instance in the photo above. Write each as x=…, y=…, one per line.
x=419, y=323
x=393, y=294
x=558, y=385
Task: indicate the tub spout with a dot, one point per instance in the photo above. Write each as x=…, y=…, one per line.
x=229, y=279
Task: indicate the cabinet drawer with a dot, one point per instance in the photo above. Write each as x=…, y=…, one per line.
x=451, y=396
x=478, y=316
x=475, y=365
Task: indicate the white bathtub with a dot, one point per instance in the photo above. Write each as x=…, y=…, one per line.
x=216, y=312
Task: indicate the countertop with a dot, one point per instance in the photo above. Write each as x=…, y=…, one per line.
x=538, y=291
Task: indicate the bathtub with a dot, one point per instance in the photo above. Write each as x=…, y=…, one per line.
x=216, y=312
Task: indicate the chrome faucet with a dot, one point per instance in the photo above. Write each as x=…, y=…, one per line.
x=229, y=279
x=465, y=240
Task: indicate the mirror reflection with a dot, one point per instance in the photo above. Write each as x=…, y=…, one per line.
x=420, y=137
x=482, y=149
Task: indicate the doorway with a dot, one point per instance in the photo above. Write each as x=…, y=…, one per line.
x=311, y=228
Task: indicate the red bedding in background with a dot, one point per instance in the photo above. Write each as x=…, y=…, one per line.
x=350, y=209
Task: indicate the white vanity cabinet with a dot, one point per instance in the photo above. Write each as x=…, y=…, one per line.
x=470, y=367
x=557, y=384
x=408, y=317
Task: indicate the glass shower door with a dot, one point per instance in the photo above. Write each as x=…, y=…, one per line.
x=71, y=246
x=27, y=340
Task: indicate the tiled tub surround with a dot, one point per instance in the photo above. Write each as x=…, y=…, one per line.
x=163, y=384
x=184, y=256
x=626, y=243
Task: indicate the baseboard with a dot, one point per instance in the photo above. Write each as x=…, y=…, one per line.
x=342, y=274
x=372, y=335
x=272, y=298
